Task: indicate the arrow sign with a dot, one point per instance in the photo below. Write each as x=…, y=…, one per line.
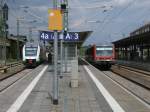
x=49, y=36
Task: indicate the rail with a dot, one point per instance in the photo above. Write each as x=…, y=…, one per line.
x=4, y=68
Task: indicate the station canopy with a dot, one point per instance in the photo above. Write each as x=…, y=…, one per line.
x=134, y=40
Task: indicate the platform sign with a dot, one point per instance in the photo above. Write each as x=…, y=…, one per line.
x=55, y=20
x=49, y=36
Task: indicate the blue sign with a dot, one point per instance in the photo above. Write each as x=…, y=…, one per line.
x=49, y=36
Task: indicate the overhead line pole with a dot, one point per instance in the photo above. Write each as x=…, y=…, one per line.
x=64, y=10
x=66, y=31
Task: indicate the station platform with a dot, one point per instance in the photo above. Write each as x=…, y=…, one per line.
x=135, y=64
x=81, y=99
x=96, y=93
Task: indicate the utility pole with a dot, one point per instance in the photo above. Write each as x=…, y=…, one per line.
x=30, y=34
x=18, y=49
x=3, y=19
x=3, y=29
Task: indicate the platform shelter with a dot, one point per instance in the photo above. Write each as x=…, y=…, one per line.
x=70, y=49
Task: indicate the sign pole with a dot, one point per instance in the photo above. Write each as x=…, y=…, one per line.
x=61, y=55
x=55, y=77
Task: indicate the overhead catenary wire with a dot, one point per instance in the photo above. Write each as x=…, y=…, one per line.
x=131, y=24
x=118, y=14
x=14, y=6
x=107, y=21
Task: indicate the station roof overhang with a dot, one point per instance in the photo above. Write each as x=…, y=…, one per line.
x=134, y=40
x=83, y=35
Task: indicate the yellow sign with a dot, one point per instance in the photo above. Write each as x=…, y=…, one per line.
x=55, y=20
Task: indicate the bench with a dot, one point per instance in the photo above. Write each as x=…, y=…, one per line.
x=4, y=69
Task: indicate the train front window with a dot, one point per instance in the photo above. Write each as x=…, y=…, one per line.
x=104, y=51
x=30, y=51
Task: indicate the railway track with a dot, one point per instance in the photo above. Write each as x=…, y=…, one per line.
x=12, y=79
x=16, y=72
x=12, y=68
x=139, y=77
x=9, y=81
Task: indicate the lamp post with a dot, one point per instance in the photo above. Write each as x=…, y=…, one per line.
x=18, y=28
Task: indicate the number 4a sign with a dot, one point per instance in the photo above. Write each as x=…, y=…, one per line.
x=47, y=36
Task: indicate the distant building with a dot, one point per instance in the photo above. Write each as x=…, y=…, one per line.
x=8, y=43
x=12, y=49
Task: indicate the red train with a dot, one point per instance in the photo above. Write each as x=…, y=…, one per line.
x=102, y=55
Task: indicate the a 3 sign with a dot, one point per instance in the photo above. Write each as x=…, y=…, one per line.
x=49, y=36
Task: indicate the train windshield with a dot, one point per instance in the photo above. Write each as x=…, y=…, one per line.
x=104, y=51
x=30, y=51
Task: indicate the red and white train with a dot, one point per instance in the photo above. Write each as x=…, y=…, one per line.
x=102, y=55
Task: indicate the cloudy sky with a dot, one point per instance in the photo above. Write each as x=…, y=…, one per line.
x=115, y=18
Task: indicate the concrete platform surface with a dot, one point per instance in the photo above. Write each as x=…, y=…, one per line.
x=80, y=99
x=88, y=97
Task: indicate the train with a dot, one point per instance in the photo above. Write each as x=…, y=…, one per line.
x=101, y=55
x=33, y=54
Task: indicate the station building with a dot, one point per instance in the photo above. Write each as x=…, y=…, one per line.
x=11, y=46
x=136, y=47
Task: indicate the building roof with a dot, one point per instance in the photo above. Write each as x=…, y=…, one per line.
x=135, y=39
